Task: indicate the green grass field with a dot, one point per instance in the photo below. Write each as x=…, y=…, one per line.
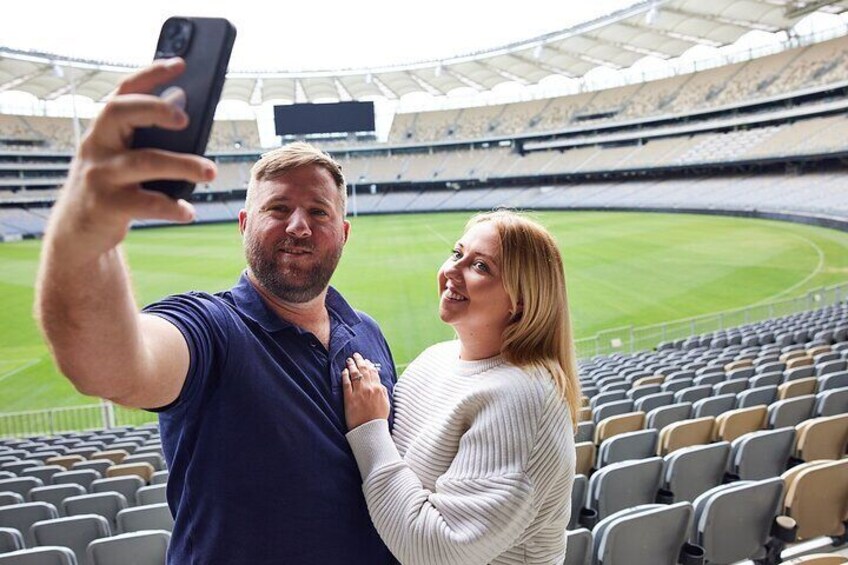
x=623, y=268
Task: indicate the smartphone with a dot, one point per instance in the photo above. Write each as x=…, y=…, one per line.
x=205, y=44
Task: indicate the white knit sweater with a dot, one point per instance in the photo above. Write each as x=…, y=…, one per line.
x=481, y=465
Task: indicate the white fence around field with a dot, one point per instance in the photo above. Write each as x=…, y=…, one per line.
x=627, y=339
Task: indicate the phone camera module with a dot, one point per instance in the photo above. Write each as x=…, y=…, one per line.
x=176, y=36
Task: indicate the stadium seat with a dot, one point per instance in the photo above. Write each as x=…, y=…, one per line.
x=22, y=516
x=693, y=393
x=713, y=406
x=154, y=459
x=691, y=471
x=759, y=396
x=127, y=486
x=10, y=540
x=833, y=381
x=762, y=454
x=152, y=517
x=618, y=424
x=817, y=498
x=800, y=387
x=733, y=522
x=585, y=432
x=106, y=504
x=20, y=485
x=731, y=387
x=585, y=458
x=116, y=456
x=40, y=556
x=790, y=412
x=56, y=495
x=43, y=472
x=7, y=498
x=627, y=446
x=155, y=494
x=578, y=498
x=606, y=398
x=734, y=423
x=659, y=418
x=624, y=485
x=74, y=532
x=650, y=534
x=142, y=469
x=651, y=401
x=83, y=478
x=99, y=465
x=821, y=438
x=818, y=559
x=614, y=408
x=147, y=548
x=834, y=365
x=766, y=379
x=832, y=402
x=65, y=461
x=578, y=547
x=798, y=373
x=697, y=431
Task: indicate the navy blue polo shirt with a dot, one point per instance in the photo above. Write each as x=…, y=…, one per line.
x=260, y=470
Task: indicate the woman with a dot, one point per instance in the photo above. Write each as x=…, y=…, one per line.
x=482, y=461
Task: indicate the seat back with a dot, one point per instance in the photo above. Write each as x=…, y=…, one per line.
x=10, y=540
x=83, y=477
x=22, y=516
x=691, y=471
x=659, y=418
x=644, y=535
x=74, y=532
x=697, y=431
x=833, y=380
x=759, y=396
x=651, y=401
x=733, y=522
x=54, y=555
x=156, y=494
x=714, y=406
x=822, y=438
x=151, y=517
x=578, y=547
x=612, y=409
x=818, y=559
x=56, y=495
x=797, y=388
x=624, y=485
x=578, y=499
x=619, y=424
x=585, y=464
x=147, y=548
x=20, y=485
x=817, y=498
x=762, y=454
x=141, y=469
x=735, y=423
x=832, y=402
x=106, y=504
x=127, y=486
x=790, y=412
x=627, y=446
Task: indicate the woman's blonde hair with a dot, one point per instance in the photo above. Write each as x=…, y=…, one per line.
x=533, y=275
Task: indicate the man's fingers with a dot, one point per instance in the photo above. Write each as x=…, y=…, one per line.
x=114, y=127
x=141, y=165
x=148, y=78
x=148, y=205
x=346, y=388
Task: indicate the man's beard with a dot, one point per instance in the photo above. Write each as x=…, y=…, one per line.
x=281, y=280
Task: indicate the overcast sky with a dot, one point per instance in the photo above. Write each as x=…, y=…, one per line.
x=294, y=35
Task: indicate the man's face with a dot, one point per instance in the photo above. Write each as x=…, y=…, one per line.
x=294, y=233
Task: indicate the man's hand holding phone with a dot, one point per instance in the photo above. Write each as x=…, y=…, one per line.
x=103, y=193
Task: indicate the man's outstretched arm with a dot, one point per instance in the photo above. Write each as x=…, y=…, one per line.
x=84, y=301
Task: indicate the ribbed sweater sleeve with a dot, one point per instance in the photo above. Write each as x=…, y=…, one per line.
x=485, y=440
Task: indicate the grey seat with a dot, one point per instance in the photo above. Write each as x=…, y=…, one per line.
x=10, y=540
x=585, y=432
x=7, y=498
x=693, y=393
x=651, y=401
x=56, y=495
x=74, y=532
x=43, y=472
x=615, y=408
x=767, y=379
x=20, y=485
x=650, y=534
x=127, y=485
x=833, y=381
x=829, y=367
x=154, y=494
x=53, y=555
x=709, y=379
x=147, y=548
x=658, y=418
x=624, y=485
x=763, y=395
x=713, y=406
x=606, y=398
x=99, y=465
x=628, y=446
x=161, y=477
x=578, y=499
x=731, y=387
x=832, y=402
x=691, y=471
x=761, y=455
x=106, y=504
x=22, y=516
x=733, y=522
x=790, y=412
x=680, y=384
x=578, y=547
x=799, y=373
x=151, y=517
x=638, y=392
x=82, y=477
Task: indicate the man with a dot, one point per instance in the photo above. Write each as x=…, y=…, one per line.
x=247, y=382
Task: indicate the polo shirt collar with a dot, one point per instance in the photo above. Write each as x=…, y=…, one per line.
x=251, y=304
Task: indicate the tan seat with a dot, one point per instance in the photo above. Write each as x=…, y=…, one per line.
x=799, y=362
x=66, y=461
x=614, y=425
x=786, y=357
x=116, y=456
x=793, y=389
x=821, y=438
x=655, y=380
x=740, y=364
x=585, y=414
x=143, y=470
x=818, y=559
x=734, y=423
x=813, y=351
x=584, y=401
x=817, y=498
x=585, y=458
x=697, y=431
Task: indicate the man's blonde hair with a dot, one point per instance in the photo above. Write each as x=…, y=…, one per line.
x=540, y=333
x=291, y=156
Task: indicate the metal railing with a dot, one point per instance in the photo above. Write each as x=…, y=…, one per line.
x=625, y=339
x=629, y=339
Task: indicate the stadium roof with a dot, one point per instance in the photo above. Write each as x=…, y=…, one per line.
x=660, y=28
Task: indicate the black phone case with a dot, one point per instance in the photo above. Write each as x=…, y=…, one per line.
x=207, y=56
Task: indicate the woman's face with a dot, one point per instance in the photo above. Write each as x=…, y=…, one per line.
x=472, y=295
